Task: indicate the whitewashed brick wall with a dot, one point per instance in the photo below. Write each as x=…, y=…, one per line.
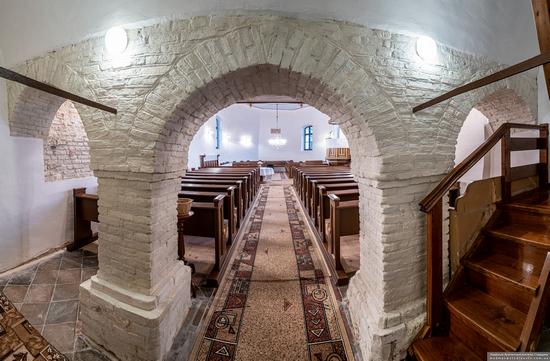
x=66, y=150
x=175, y=75
x=505, y=106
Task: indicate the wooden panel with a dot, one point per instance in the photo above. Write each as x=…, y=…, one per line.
x=470, y=214
x=518, y=144
x=443, y=187
x=524, y=171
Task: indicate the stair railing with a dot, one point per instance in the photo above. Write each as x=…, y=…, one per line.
x=432, y=204
x=535, y=315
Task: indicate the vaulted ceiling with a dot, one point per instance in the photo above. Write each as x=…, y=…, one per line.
x=503, y=30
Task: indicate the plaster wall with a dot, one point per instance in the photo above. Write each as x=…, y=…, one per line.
x=240, y=123
x=502, y=30
x=35, y=215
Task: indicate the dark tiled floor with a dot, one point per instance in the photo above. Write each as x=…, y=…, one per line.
x=47, y=293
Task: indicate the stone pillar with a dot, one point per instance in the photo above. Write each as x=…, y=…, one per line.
x=386, y=296
x=137, y=302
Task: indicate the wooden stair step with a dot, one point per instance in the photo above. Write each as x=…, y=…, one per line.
x=496, y=320
x=442, y=348
x=505, y=268
x=532, y=234
x=530, y=208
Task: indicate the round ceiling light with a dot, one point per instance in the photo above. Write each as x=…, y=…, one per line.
x=426, y=48
x=116, y=40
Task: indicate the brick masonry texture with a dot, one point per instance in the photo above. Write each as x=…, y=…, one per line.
x=66, y=150
x=177, y=74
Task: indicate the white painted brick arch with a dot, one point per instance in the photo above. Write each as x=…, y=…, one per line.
x=175, y=74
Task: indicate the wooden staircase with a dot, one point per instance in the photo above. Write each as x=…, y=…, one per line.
x=497, y=298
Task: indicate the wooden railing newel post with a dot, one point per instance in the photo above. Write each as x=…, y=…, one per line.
x=434, y=250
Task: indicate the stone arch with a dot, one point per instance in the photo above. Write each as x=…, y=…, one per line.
x=33, y=114
x=140, y=287
x=267, y=79
x=247, y=83
x=244, y=62
x=455, y=112
x=505, y=106
x=31, y=111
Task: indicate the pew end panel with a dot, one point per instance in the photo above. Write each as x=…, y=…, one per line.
x=85, y=212
x=344, y=221
x=208, y=222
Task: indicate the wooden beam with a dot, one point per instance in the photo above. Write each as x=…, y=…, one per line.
x=22, y=79
x=541, y=12
x=528, y=64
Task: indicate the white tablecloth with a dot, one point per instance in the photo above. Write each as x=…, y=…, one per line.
x=266, y=171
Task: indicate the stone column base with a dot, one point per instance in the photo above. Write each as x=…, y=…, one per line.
x=382, y=336
x=131, y=326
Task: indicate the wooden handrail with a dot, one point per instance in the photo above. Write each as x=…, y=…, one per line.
x=535, y=317
x=433, y=206
x=22, y=79
x=528, y=64
x=458, y=171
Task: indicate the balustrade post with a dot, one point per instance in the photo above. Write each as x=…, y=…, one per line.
x=543, y=157
x=434, y=251
x=506, y=180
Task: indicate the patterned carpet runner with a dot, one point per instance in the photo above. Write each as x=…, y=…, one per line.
x=19, y=340
x=276, y=302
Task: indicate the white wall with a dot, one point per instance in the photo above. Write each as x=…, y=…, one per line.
x=35, y=216
x=503, y=30
x=241, y=120
x=237, y=121
x=292, y=123
x=472, y=135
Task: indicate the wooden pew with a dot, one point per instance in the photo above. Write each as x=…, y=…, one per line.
x=207, y=221
x=253, y=176
x=229, y=211
x=248, y=192
x=227, y=190
x=344, y=221
x=85, y=212
x=311, y=192
x=209, y=163
x=306, y=178
x=237, y=170
x=302, y=173
x=323, y=213
x=246, y=182
x=241, y=193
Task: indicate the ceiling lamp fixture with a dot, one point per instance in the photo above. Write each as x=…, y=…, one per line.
x=276, y=140
x=116, y=40
x=426, y=48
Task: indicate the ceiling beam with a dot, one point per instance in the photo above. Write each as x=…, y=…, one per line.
x=528, y=64
x=541, y=12
x=22, y=79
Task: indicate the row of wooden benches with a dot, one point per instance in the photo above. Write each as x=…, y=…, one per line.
x=330, y=197
x=221, y=198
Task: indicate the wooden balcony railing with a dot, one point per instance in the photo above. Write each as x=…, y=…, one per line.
x=432, y=204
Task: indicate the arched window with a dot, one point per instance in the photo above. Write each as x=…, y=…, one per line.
x=308, y=137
